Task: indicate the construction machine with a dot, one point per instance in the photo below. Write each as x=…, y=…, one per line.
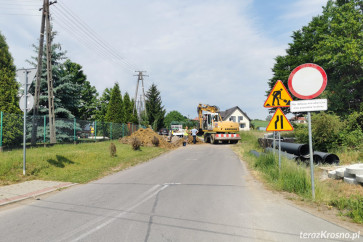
x=214, y=128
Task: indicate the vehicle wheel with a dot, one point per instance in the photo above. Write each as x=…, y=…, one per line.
x=212, y=140
x=234, y=141
x=205, y=139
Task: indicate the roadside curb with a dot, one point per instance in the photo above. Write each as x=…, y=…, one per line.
x=29, y=189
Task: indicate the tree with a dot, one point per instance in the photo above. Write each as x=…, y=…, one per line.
x=84, y=96
x=115, y=110
x=8, y=84
x=269, y=117
x=154, y=108
x=12, y=122
x=335, y=42
x=173, y=116
x=130, y=116
x=102, y=104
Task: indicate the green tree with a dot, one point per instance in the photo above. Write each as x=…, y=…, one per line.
x=130, y=116
x=102, y=104
x=335, y=42
x=115, y=110
x=154, y=108
x=8, y=84
x=173, y=116
x=12, y=120
x=82, y=100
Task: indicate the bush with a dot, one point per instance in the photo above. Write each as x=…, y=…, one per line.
x=12, y=130
x=352, y=135
x=155, y=141
x=326, y=131
x=136, y=143
x=112, y=150
x=353, y=207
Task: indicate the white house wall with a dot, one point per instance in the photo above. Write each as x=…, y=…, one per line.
x=245, y=121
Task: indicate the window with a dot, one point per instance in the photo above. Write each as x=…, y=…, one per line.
x=232, y=118
x=240, y=118
x=242, y=126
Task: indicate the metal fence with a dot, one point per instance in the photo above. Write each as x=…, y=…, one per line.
x=67, y=130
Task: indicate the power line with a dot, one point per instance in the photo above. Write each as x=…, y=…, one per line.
x=76, y=27
x=83, y=39
x=88, y=28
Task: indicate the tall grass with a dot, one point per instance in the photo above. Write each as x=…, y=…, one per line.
x=79, y=163
x=289, y=177
x=295, y=178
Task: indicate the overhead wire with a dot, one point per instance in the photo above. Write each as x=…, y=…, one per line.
x=94, y=34
x=77, y=27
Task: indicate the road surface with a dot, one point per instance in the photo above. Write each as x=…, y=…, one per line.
x=194, y=193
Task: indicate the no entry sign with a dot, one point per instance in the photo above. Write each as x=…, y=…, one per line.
x=307, y=81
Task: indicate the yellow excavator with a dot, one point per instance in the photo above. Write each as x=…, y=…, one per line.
x=214, y=129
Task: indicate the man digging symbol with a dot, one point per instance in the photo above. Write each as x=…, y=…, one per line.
x=277, y=96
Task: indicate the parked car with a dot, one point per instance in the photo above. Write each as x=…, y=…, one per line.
x=163, y=131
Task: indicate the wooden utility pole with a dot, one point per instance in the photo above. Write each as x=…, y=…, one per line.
x=49, y=75
x=140, y=77
x=39, y=75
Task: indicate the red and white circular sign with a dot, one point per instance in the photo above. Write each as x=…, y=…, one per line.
x=307, y=81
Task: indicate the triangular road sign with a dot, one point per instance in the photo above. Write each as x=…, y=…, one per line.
x=279, y=122
x=278, y=97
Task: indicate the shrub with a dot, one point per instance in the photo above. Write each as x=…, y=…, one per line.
x=353, y=207
x=136, y=143
x=155, y=141
x=112, y=150
x=352, y=135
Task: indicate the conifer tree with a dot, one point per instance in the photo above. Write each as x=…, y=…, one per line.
x=8, y=84
x=154, y=108
x=115, y=110
x=130, y=116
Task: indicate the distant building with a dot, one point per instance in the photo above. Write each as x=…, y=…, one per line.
x=298, y=120
x=236, y=114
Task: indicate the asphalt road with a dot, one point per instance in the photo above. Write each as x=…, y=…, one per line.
x=195, y=193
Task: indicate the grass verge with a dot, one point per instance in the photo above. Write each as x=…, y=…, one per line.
x=79, y=163
x=295, y=178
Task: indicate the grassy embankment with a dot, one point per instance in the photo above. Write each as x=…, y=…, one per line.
x=79, y=163
x=295, y=178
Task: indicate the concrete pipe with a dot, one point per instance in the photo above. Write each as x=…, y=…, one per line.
x=327, y=158
x=287, y=155
x=296, y=149
x=255, y=153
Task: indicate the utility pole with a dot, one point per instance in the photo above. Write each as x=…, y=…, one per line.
x=39, y=75
x=142, y=104
x=49, y=74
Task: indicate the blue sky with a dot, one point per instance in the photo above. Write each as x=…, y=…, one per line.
x=217, y=52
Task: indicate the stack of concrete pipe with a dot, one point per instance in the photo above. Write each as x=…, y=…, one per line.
x=352, y=174
x=301, y=152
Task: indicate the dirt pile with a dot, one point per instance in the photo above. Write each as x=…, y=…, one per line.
x=146, y=136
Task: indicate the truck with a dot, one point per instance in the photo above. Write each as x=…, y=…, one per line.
x=216, y=130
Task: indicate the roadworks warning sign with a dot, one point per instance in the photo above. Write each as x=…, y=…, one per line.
x=279, y=122
x=278, y=97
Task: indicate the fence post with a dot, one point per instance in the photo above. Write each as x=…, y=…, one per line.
x=45, y=129
x=1, y=132
x=74, y=131
x=111, y=131
x=95, y=130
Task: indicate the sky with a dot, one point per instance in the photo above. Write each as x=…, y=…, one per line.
x=217, y=52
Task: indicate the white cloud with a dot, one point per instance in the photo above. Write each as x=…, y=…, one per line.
x=195, y=51
x=303, y=9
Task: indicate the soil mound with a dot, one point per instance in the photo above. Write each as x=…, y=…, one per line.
x=146, y=136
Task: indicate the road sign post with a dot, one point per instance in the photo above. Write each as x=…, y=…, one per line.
x=24, y=75
x=308, y=81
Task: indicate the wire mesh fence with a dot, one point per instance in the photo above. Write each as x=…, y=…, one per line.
x=67, y=130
